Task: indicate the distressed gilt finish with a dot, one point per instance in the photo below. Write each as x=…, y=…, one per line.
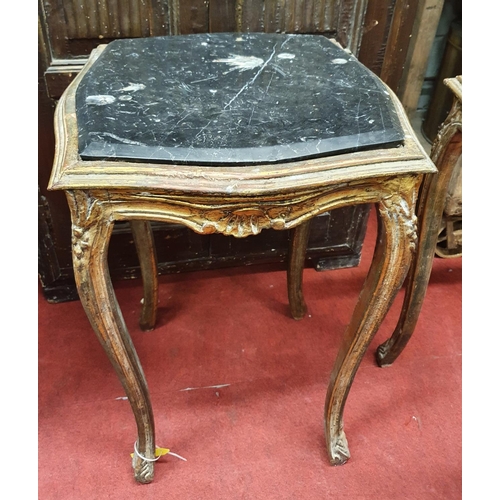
x=446, y=150
x=239, y=202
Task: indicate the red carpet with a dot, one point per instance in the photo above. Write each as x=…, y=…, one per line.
x=260, y=436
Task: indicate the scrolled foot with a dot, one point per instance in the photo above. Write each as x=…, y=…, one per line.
x=143, y=470
x=384, y=355
x=338, y=450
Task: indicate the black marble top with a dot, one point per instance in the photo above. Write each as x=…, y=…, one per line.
x=230, y=98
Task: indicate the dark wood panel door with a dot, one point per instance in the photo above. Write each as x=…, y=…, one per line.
x=375, y=30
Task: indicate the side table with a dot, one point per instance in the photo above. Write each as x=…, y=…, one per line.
x=232, y=133
x=445, y=152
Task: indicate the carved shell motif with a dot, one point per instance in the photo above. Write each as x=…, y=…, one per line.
x=244, y=222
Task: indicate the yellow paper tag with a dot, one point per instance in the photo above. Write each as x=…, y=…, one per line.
x=158, y=452
x=161, y=451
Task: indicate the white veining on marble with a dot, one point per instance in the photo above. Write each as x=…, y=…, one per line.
x=278, y=69
x=204, y=79
x=251, y=81
x=186, y=87
x=100, y=100
x=117, y=138
x=241, y=63
x=133, y=87
x=184, y=117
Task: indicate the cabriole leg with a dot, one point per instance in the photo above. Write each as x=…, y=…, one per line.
x=91, y=234
x=431, y=205
x=395, y=242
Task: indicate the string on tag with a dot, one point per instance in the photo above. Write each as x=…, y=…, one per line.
x=159, y=452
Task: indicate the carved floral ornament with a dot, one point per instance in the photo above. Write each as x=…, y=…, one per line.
x=448, y=128
x=80, y=241
x=84, y=209
x=399, y=207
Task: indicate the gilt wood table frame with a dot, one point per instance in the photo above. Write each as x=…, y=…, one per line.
x=239, y=202
x=445, y=152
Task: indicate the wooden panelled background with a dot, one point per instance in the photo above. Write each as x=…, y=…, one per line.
x=377, y=31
